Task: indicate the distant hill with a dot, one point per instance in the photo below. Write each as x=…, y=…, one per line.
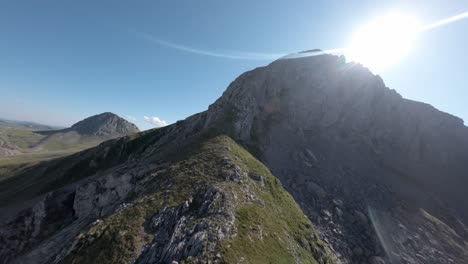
x=373, y=178
x=22, y=142
x=6, y=123
x=105, y=125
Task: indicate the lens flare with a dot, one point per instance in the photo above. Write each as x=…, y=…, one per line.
x=384, y=41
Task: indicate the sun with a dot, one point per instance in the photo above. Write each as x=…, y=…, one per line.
x=384, y=41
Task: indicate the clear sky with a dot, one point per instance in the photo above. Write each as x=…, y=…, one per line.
x=63, y=60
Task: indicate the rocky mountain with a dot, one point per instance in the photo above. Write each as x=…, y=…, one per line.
x=105, y=125
x=379, y=178
x=378, y=174
x=20, y=145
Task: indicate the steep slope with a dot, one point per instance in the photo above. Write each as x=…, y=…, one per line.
x=378, y=168
x=382, y=179
x=148, y=203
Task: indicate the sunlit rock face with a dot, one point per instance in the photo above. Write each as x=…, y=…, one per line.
x=374, y=171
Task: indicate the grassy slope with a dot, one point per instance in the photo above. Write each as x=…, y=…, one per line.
x=285, y=229
x=20, y=137
x=286, y=234
x=36, y=148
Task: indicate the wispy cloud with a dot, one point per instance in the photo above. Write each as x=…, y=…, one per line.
x=234, y=55
x=156, y=121
x=240, y=55
x=313, y=53
x=445, y=21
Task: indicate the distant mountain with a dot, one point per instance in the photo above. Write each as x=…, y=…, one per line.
x=373, y=178
x=105, y=125
x=5, y=123
x=18, y=140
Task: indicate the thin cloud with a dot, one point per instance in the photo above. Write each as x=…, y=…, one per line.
x=312, y=53
x=445, y=21
x=156, y=121
x=238, y=55
x=234, y=55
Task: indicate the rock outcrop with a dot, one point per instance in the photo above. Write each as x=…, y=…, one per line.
x=146, y=200
x=359, y=159
x=381, y=178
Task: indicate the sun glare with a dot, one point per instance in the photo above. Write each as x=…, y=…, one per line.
x=384, y=41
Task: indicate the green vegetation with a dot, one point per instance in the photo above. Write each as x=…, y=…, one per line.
x=275, y=230
x=271, y=228
x=120, y=237
x=36, y=147
x=20, y=137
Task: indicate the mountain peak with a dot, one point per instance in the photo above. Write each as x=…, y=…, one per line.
x=106, y=124
x=374, y=173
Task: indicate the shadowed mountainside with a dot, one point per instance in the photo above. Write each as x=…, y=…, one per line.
x=381, y=178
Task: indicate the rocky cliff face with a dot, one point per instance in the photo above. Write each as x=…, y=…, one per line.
x=380, y=177
x=152, y=200
x=366, y=165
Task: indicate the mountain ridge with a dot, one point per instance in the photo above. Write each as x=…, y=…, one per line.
x=363, y=164
x=25, y=124
x=319, y=123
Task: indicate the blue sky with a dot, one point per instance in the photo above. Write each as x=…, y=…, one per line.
x=63, y=60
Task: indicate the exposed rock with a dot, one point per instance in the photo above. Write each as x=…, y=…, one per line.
x=332, y=129
x=134, y=211
x=376, y=260
x=329, y=130
x=176, y=236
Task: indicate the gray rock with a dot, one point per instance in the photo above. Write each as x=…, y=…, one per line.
x=316, y=190
x=376, y=260
x=357, y=251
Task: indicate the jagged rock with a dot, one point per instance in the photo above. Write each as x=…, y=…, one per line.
x=138, y=212
x=357, y=251
x=315, y=189
x=337, y=202
x=376, y=260
x=376, y=148
x=175, y=235
x=326, y=128
x=338, y=212
x=361, y=217
x=234, y=174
